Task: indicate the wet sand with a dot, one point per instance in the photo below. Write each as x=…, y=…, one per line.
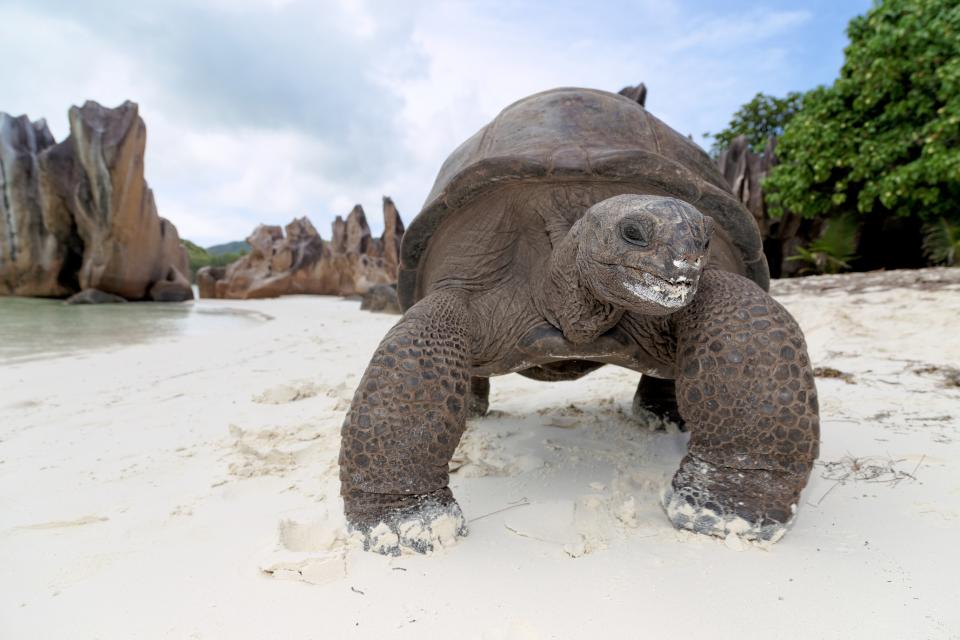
x=34, y=328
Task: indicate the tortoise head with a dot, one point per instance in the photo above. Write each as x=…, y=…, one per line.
x=643, y=253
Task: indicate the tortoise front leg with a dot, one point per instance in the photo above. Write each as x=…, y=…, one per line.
x=406, y=419
x=746, y=391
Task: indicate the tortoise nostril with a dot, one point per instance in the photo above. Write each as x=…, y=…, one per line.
x=686, y=264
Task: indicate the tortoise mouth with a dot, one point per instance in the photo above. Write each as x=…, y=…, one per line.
x=672, y=293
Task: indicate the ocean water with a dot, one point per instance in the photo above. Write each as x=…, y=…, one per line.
x=34, y=328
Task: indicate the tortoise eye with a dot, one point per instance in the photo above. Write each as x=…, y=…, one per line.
x=634, y=233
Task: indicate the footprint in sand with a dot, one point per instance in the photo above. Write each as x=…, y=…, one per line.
x=480, y=454
x=281, y=450
x=285, y=393
x=313, y=552
x=64, y=524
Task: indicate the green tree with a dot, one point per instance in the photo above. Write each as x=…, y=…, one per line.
x=762, y=117
x=200, y=257
x=885, y=137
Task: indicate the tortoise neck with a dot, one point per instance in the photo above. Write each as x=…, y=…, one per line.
x=567, y=300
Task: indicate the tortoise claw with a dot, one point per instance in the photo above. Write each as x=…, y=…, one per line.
x=408, y=524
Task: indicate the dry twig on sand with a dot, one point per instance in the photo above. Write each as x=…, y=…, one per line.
x=950, y=375
x=873, y=469
x=830, y=372
x=522, y=502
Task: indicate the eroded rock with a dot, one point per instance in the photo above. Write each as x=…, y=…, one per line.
x=297, y=260
x=745, y=170
x=79, y=215
x=38, y=247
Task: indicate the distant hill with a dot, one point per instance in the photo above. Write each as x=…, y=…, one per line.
x=238, y=246
x=217, y=256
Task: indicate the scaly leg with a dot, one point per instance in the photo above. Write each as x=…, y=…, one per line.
x=746, y=390
x=406, y=419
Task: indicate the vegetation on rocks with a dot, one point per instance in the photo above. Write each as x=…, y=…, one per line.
x=200, y=257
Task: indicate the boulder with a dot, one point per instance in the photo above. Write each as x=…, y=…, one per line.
x=297, y=260
x=207, y=278
x=79, y=215
x=173, y=288
x=381, y=298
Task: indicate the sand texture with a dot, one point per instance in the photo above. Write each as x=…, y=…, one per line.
x=188, y=489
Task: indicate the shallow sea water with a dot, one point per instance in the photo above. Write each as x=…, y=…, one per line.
x=33, y=328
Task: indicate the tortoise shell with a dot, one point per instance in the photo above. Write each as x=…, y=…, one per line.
x=577, y=135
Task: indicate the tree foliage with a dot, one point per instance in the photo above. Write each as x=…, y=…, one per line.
x=885, y=137
x=762, y=117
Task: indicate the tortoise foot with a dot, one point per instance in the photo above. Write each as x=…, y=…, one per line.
x=753, y=504
x=396, y=524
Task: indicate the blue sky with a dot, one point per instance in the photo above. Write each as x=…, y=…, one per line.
x=263, y=110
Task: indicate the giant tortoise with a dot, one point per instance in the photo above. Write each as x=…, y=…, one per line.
x=577, y=230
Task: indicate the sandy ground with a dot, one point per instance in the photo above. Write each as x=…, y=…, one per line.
x=189, y=490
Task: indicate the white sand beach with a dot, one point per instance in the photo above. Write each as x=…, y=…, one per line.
x=187, y=488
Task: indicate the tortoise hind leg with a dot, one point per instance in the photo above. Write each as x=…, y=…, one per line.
x=478, y=402
x=659, y=397
x=405, y=421
x=746, y=390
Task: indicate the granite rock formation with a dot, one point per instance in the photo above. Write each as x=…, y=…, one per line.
x=296, y=260
x=35, y=240
x=207, y=278
x=79, y=215
x=745, y=170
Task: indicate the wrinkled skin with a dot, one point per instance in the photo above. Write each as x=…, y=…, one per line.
x=642, y=254
x=626, y=284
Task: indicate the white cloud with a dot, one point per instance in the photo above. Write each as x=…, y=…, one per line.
x=262, y=110
x=47, y=57
x=729, y=33
x=478, y=63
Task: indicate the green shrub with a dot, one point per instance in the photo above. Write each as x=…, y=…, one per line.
x=941, y=242
x=833, y=251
